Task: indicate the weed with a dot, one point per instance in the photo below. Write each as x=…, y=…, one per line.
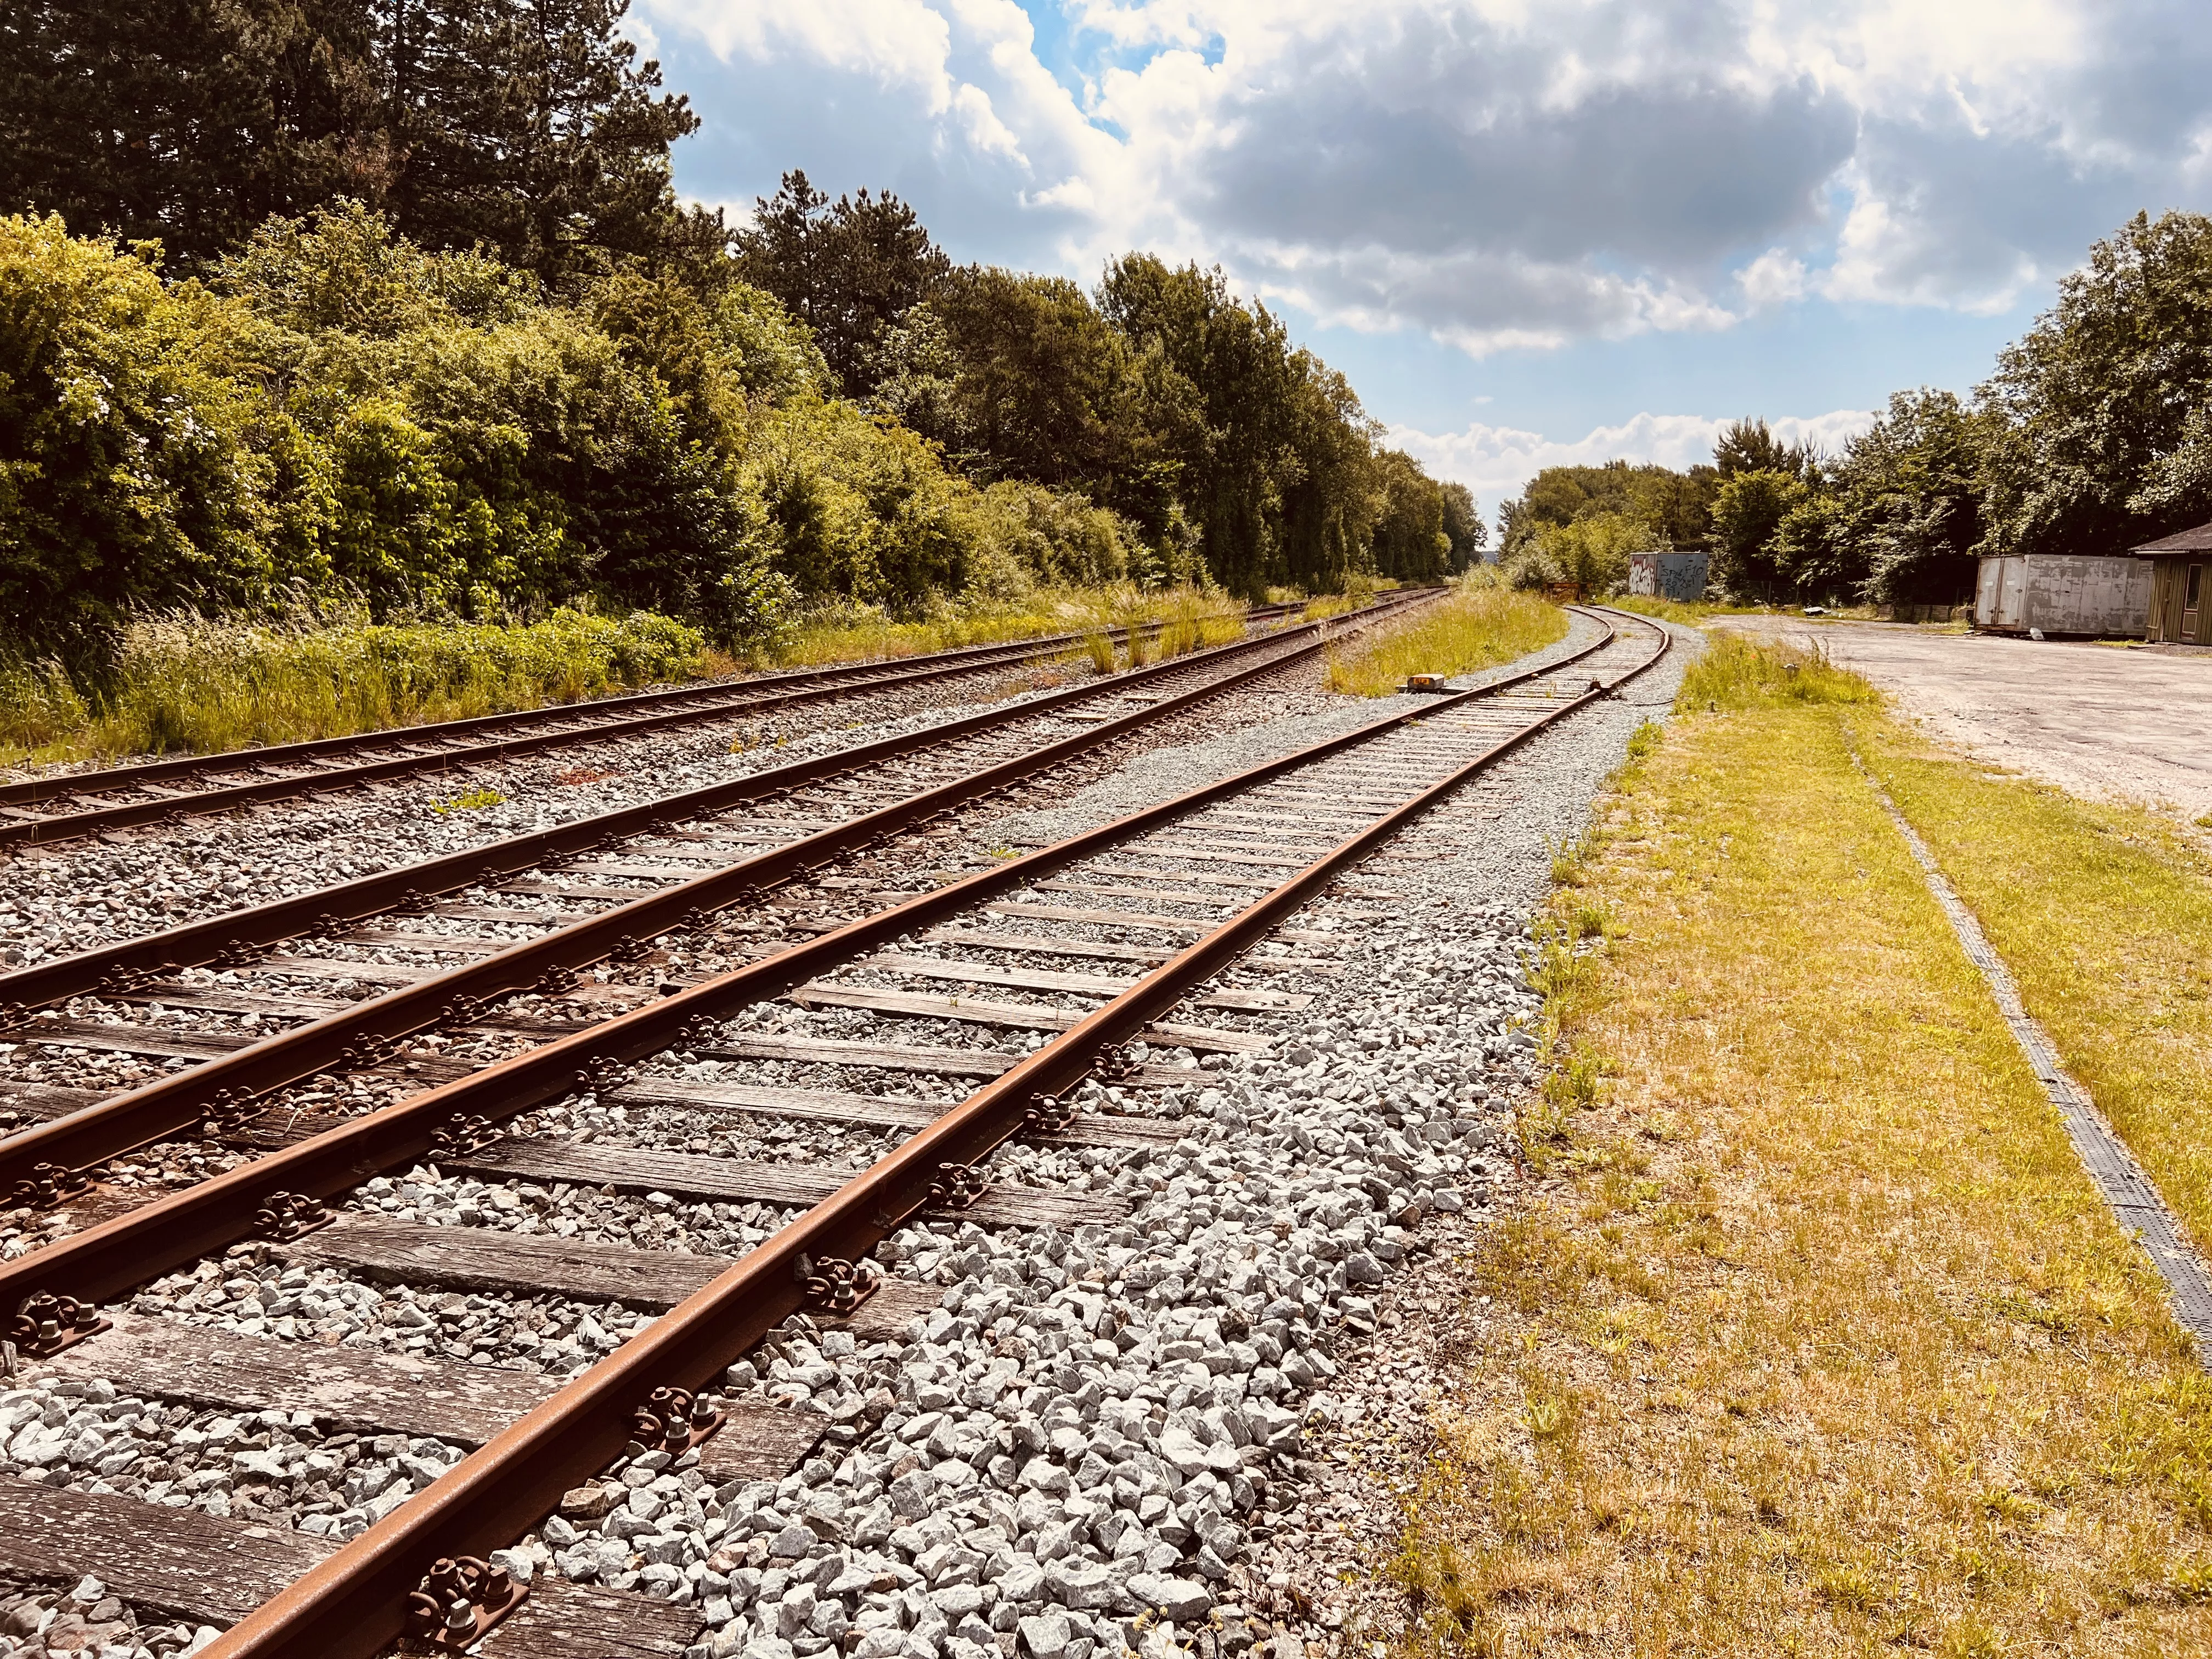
x=476, y=801
x=1098, y=644
x=1736, y=673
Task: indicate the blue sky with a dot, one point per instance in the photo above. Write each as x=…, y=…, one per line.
x=1528, y=232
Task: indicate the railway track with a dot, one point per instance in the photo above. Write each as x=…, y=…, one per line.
x=891, y=1039
x=42, y=812
x=538, y=908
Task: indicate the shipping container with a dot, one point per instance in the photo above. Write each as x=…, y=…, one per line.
x=2063, y=593
x=1677, y=576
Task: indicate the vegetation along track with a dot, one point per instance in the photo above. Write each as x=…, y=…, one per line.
x=548, y=904
x=42, y=811
x=1110, y=932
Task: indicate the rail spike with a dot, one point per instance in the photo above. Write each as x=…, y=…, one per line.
x=958, y=1187
x=45, y=1324
x=832, y=1284
x=1117, y=1061
x=1047, y=1114
x=284, y=1216
x=459, y=1600
x=674, y=1420
x=461, y=1135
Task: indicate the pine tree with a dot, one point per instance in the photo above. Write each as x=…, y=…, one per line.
x=187, y=120
x=849, y=270
x=530, y=126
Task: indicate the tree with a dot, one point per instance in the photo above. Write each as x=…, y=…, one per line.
x=1410, y=539
x=530, y=125
x=187, y=121
x=1591, y=552
x=1673, y=506
x=1910, y=499
x=1028, y=378
x=1747, y=512
x=2097, y=410
x=1747, y=446
x=849, y=270
x=1463, y=526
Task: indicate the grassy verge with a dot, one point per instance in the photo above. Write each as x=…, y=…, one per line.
x=191, y=685
x=845, y=633
x=1481, y=623
x=188, y=683
x=1816, y=1339
x=2102, y=914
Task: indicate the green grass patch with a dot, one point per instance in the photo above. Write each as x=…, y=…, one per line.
x=1734, y=672
x=185, y=684
x=1189, y=618
x=2102, y=913
x=1480, y=624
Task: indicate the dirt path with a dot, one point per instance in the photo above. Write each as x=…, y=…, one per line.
x=2094, y=719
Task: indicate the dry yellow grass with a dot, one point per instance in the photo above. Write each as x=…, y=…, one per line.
x=2103, y=912
x=1818, y=1341
x=1480, y=624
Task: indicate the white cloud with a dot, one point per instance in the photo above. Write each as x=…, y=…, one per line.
x=1495, y=461
x=1775, y=278
x=1495, y=173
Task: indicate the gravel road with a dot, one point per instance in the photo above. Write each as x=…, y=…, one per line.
x=2098, y=721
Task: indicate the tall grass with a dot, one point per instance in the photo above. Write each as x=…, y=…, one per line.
x=184, y=682
x=1739, y=673
x=189, y=684
x=1481, y=623
x=845, y=632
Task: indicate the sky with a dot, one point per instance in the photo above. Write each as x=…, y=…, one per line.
x=1528, y=233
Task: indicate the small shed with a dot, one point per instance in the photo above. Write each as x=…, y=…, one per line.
x=2177, y=576
x=1678, y=576
x=2062, y=593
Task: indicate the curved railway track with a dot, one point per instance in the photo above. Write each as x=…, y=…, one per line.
x=1109, y=935
x=41, y=812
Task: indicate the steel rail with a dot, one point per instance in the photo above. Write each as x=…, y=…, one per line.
x=702, y=704
x=128, y=1250
x=358, y=1034
x=354, y=1602
x=118, y=964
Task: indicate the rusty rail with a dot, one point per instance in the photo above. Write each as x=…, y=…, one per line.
x=170, y=1104
x=702, y=703
x=352, y=1604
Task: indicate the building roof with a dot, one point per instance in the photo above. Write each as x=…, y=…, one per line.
x=2198, y=540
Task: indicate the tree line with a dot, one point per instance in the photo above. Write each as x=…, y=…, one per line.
x=2093, y=434
x=394, y=300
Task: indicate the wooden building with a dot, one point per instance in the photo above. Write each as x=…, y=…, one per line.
x=2181, y=586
